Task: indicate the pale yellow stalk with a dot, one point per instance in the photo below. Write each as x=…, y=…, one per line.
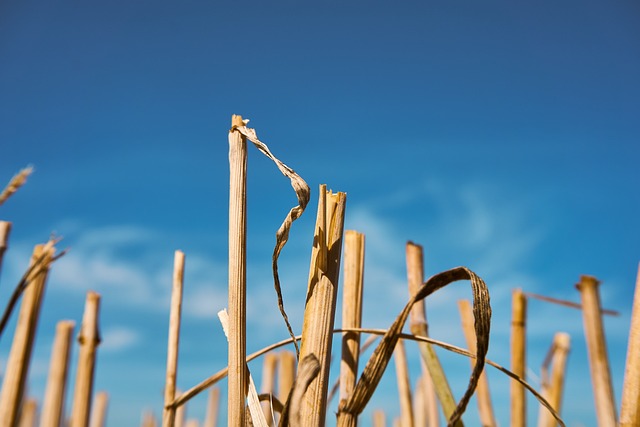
x=99, y=411
x=286, y=374
x=379, y=419
x=419, y=326
x=211, y=418
x=321, y=301
x=89, y=339
x=148, y=419
x=29, y=413
x=420, y=412
x=5, y=230
x=429, y=399
x=597, y=349
x=404, y=385
x=351, y=317
x=15, y=376
x=237, y=390
x=257, y=416
x=630, y=407
x=181, y=415
x=53, y=406
x=168, y=414
x=518, y=357
x=552, y=391
x=483, y=396
x=268, y=384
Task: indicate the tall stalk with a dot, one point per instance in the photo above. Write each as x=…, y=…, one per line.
x=237, y=382
x=319, y=314
x=597, y=348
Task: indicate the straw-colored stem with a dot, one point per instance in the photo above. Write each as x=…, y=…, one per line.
x=420, y=413
x=99, y=412
x=286, y=373
x=597, y=349
x=430, y=399
x=419, y=326
x=168, y=415
x=5, y=230
x=553, y=391
x=181, y=416
x=211, y=418
x=53, y=405
x=483, y=395
x=351, y=317
x=630, y=407
x=20, y=355
x=89, y=339
x=268, y=384
x=237, y=382
x=404, y=385
x=192, y=423
x=29, y=413
x=321, y=301
x=148, y=419
x=518, y=357
x=256, y=415
x=379, y=419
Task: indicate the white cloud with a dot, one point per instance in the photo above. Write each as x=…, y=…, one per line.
x=117, y=339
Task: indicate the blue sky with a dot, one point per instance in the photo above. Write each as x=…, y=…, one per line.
x=501, y=136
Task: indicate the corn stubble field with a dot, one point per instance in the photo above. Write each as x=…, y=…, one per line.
x=295, y=388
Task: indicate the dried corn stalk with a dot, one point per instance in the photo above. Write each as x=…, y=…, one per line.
x=321, y=301
x=630, y=407
x=20, y=355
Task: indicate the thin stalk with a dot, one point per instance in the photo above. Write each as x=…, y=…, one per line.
x=181, y=416
x=99, y=412
x=286, y=373
x=20, y=355
x=213, y=403
x=430, y=402
x=351, y=317
x=379, y=419
x=419, y=326
x=404, y=385
x=518, y=357
x=237, y=382
x=630, y=407
x=29, y=413
x=53, y=405
x=168, y=414
x=321, y=301
x=483, y=395
x=256, y=415
x=5, y=230
x=89, y=339
x=269, y=366
x=552, y=391
x=420, y=412
x=148, y=419
x=597, y=348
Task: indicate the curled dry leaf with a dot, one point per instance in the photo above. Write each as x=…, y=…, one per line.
x=378, y=362
x=303, y=194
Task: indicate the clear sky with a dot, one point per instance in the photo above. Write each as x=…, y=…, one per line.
x=502, y=136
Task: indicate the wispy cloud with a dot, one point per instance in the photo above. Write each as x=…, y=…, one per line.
x=117, y=339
